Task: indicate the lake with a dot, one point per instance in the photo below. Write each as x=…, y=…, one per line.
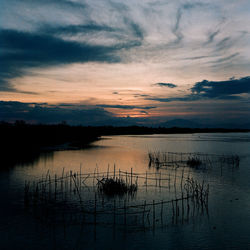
x=163, y=223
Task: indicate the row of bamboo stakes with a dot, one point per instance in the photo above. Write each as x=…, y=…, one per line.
x=165, y=159
x=54, y=188
x=76, y=180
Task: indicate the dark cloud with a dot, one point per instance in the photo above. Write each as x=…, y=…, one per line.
x=140, y=95
x=163, y=84
x=76, y=29
x=225, y=59
x=44, y=113
x=127, y=30
x=135, y=28
x=221, y=90
x=125, y=106
x=119, y=6
x=217, y=61
x=175, y=99
x=73, y=114
x=177, y=26
x=196, y=57
x=211, y=37
x=224, y=44
x=176, y=29
x=58, y=3
x=24, y=50
x=78, y=114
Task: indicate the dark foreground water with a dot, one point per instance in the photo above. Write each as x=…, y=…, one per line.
x=224, y=224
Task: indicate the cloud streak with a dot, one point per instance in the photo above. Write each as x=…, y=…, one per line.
x=231, y=89
x=26, y=50
x=163, y=84
x=211, y=37
x=125, y=106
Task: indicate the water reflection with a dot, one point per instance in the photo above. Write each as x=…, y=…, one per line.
x=23, y=158
x=226, y=227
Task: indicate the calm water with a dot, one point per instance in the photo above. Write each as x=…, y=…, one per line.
x=226, y=226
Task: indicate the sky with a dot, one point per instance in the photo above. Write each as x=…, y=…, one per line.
x=96, y=62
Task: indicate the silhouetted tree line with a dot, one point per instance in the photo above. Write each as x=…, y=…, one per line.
x=23, y=135
x=22, y=142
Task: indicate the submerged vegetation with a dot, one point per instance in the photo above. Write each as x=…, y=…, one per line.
x=194, y=162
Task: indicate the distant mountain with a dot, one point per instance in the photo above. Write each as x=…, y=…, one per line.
x=182, y=123
x=234, y=125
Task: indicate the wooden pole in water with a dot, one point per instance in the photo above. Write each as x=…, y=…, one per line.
x=94, y=177
x=62, y=180
x=114, y=211
x=49, y=186
x=65, y=185
x=182, y=178
x=173, y=209
x=161, y=211
x=182, y=208
x=55, y=186
x=80, y=176
x=175, y=177
x=70, y=180
x=160, y=180
x=177, y=212
x=108, y=172
x=103, y=201
x=153, y=213
x=143, y=214
x=95, y=211
x=131, y=175
x=125, y=213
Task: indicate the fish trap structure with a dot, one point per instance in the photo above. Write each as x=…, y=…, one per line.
x=112, y=198
x=202, y=161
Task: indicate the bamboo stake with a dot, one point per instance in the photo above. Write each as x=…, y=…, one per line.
x=55, y=185
x=153, y=213
x=125, y=213
x=143, y=214
x=114, y=211
x=131, y=176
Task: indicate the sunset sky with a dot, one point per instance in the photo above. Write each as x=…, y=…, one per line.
x=143, y=62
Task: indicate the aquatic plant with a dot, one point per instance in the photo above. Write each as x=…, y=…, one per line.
x=194, y=162
x=116, y=186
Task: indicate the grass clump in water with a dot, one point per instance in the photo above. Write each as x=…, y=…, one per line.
x=194, y=162
x=116, y=186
